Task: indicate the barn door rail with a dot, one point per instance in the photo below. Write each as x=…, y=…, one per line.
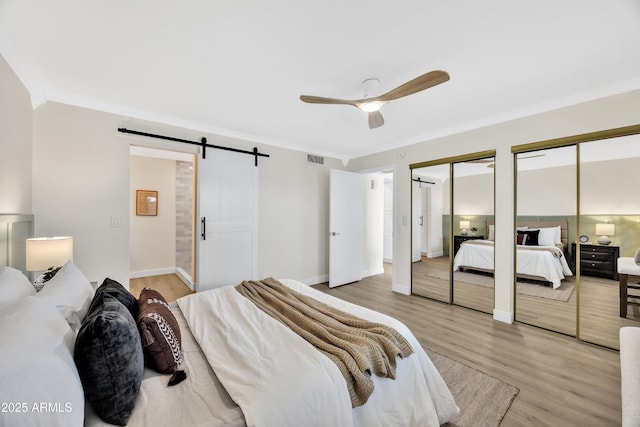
x=203, y=143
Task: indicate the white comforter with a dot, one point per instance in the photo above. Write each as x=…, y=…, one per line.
x=538, y=263
x=278, y=379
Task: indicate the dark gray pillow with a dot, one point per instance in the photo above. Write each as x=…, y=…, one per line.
x=119, y=292
x=110, y=359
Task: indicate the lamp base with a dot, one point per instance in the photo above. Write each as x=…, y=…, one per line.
x=604, y=240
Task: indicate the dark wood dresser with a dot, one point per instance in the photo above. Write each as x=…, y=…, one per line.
x=597, y=260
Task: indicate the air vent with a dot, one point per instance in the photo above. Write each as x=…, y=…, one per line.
x=317, y=160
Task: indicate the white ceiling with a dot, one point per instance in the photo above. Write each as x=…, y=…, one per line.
x=238, y=67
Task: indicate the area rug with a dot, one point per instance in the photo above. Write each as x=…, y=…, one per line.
x=482, y=399
x=563, y=293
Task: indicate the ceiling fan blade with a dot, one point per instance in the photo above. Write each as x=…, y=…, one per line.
x=425, y=81
x=323, y=100
x=375, y=119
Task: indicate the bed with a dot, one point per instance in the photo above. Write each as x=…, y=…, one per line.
x=543, y=261
x=242, y=366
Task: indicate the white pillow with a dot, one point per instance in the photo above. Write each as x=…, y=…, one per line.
x=71, y=292
x=558, y=234
x=491, y=232
x=36, y=367
x=547, y=237
x=13, y=287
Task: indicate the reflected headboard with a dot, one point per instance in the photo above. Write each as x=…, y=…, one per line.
x=563, y=223
x=15, y=229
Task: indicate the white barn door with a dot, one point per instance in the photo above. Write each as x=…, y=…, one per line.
x=228, y=210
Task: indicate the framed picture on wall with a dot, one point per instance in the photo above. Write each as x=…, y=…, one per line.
x=146, y=203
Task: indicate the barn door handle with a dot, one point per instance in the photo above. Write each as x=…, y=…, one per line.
x=203, y=227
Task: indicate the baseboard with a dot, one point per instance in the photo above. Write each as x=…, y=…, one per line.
x=313, y=280
x=401, y=288
x=185, y=277
x=373, y=272
x=147, y=273
x=435, y=254
x=502, y=316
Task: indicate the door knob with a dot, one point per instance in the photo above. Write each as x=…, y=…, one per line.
x=333, y=233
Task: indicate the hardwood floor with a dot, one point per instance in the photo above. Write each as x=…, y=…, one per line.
x=562, y=381
x=169, y=285
x=599, y=306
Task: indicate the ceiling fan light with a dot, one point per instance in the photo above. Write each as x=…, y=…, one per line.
x=370, y=107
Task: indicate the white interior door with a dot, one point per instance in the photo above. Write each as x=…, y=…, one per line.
x=418, y=225
x=345, y=228
x=387, y=248
x=424, y=213
x=228, y=209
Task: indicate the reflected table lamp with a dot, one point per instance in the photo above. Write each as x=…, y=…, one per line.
x=605, y=230
x=48, y=254
x=464, y=227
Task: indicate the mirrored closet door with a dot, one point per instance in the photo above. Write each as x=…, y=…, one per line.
x=431, y=222
x=609, y=229
x=442, y=225
x=546, y=209
x=473, y=254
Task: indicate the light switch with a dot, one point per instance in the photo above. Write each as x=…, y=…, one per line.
x=115, y=221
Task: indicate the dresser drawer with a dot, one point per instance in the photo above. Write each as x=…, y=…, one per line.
x=595, y=256
x=596, y=265
x=596, y=260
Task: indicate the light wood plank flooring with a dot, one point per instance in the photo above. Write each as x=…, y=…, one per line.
x=599, y=306
x=562, y=381
x=169, y=285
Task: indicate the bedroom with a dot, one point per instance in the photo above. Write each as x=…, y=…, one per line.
x=51, y=146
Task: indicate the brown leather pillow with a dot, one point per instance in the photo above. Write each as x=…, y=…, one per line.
x=160, y=335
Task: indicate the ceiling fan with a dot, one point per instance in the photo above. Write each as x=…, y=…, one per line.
x=372, y=105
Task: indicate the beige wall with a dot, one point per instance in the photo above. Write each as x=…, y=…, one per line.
x=152, y=239
x=15, y=143
x=606, y=113
x=81, y=182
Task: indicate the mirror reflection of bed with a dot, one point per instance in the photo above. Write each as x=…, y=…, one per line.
x=472, y=181
x=473, y=203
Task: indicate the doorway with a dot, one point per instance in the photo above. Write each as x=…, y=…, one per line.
x=161, y=241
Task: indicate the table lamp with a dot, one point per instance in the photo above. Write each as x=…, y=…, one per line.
x=605, y=230
x=48, y=254
x=464, y=227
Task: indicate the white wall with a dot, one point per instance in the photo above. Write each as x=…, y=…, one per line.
x=372, y=224
x=16, y=116
x=81, y=180
x=606, y=113
x=152, y=242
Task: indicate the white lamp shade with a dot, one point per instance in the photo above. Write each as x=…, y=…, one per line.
x=605, y=229
x=45, y=252
x=465, y=224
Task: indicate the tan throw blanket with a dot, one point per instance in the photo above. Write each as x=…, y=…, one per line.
x=358, y=347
